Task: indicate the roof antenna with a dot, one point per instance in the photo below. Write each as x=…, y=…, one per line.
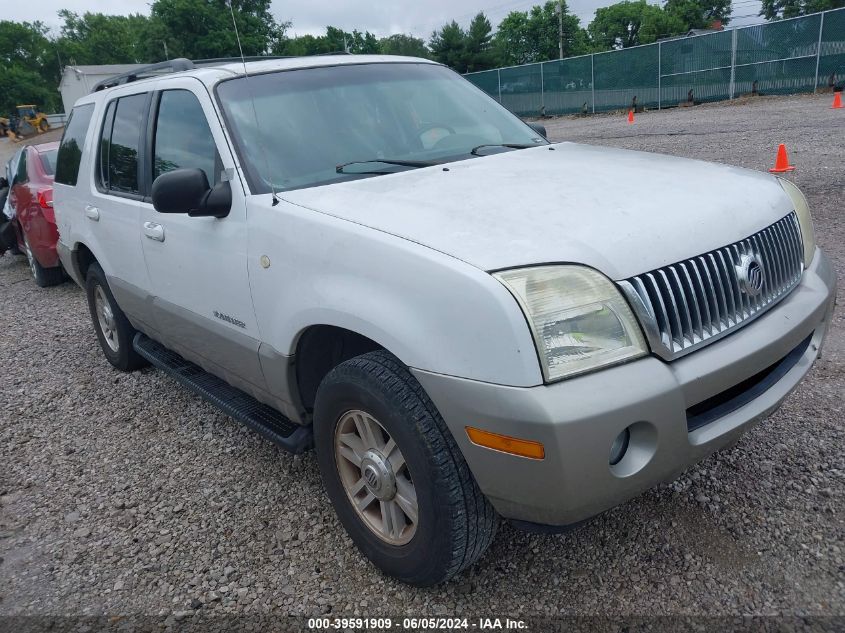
x=252, y=101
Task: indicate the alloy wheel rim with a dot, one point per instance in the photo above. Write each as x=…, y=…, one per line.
x=376, y=478
x=105, y=318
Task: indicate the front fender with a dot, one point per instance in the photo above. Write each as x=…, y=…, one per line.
x=432, y=311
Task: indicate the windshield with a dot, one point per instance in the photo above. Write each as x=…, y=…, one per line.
x=310, y=121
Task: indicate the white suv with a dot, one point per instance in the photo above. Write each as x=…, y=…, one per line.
x=371, y=256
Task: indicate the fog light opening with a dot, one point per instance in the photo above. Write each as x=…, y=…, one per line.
x=620, y=446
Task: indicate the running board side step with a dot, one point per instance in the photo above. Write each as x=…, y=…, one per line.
x=235, y=403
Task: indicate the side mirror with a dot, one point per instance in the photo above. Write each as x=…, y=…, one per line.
x=188, y=191
x=540, y=129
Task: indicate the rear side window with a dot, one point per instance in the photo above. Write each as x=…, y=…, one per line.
x=182, y=137
x=48, y=161
x=119, y=144
x=73, y=142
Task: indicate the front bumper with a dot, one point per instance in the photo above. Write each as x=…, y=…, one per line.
x=577, y=419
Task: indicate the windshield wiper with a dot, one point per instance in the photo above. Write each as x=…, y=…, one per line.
x=387, y=161
x=474, y=150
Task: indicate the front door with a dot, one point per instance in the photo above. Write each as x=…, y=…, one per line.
x=198, y=266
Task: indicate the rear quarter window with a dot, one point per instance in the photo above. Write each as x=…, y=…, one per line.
x=72, y=145
x=48, y=161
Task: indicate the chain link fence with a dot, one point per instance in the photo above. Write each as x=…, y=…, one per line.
x=784, y=57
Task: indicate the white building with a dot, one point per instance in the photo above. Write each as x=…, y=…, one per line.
x=78, y=81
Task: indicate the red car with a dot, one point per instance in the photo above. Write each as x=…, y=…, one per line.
x=31, y=198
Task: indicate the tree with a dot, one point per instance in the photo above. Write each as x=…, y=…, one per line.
x=631, y=23
x=534, y=36
x=465, y=51
x=95, y=38
x=24, y=43
x=300, y=45
x=478, y=44
x=401, y=44
x=512, y=41
x=699, y=14
x=202, y=29
x=448, y=46
x=30, y=68
x=357, y=43
x=21, y=85
x=334, y=41
x=778, y=9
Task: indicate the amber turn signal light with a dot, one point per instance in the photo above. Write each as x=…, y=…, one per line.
x=506, y=444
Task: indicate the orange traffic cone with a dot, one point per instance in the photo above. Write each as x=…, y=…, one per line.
x=781, y=162
x=630, y=116
x=837, y=100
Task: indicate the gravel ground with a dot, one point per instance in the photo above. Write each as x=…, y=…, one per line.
x=126, y=494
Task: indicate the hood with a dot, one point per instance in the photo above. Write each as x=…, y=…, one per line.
x=619, y=211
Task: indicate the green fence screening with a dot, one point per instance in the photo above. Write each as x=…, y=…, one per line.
x=787, y=56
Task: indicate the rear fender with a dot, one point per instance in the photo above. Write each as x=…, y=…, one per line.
x=42, y=235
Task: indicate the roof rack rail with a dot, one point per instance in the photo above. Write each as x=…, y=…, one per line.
x=180, y=63
x=230, y=60
x=173, y=65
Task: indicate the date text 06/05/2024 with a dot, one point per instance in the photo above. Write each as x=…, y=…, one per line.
x=424, y=623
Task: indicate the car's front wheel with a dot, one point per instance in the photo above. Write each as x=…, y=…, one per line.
x=113, y=329
x=395, y=475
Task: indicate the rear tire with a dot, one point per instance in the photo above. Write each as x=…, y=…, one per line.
x=43, y=277
x=113, y=329
x=375, y=396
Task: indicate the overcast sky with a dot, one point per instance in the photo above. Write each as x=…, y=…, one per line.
x=419, y=17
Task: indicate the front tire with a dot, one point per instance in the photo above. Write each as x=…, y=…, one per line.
x=398, y=482
x=43, y=277
x=113, y=329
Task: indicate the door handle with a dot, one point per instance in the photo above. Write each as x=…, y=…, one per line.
x=93, y=213
x=154, y=231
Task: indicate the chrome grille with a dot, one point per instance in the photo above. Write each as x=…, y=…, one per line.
x=694, y=302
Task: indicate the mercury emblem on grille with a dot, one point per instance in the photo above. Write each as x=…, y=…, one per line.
x=751, y=275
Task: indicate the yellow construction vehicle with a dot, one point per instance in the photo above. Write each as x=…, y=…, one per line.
x=30, y=115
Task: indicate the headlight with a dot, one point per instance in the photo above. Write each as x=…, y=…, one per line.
x=805, y=220
x=579, y=320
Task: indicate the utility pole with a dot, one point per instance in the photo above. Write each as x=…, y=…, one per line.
x=559, y=11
